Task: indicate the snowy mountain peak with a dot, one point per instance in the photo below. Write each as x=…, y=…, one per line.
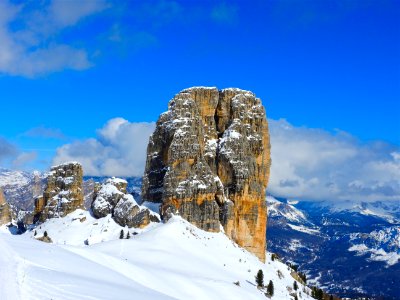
x=277, y=208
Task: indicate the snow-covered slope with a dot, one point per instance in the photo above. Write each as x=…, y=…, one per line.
x=163, y=261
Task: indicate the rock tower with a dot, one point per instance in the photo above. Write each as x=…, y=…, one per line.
x=5, y=211
x=208, y=160
x=63, y=193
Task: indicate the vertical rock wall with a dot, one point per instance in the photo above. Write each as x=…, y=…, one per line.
x=63, y=193
x=5, y=211
x=208, y=161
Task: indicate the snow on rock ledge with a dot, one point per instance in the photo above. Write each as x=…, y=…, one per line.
x=107, y=197
x=63, y=193
x=208, y=160
x=112, y=199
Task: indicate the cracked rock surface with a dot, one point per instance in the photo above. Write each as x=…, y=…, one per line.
x=63, y=193
x=208, y=160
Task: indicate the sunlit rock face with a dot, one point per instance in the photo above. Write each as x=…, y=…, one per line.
x=208, y=160
x=63, y=193
x=5, y=211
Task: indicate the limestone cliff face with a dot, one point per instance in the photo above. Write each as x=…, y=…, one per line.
x=209, y=159
x=63, y=193
x=5, y=210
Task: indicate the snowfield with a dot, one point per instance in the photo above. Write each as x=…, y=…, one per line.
x=163, y=261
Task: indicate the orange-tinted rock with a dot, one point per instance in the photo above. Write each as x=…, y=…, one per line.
x=208, y=161
x=39, y=205
x=63, y=193
x=5, y=211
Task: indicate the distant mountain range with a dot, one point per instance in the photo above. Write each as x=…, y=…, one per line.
x=21, y=188
x=350, y=249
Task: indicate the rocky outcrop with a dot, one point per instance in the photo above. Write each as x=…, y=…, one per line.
x=5, y=210
x=25, y=217
x=63, y=193
x=128, y=213
x=107, y=196
x=44, y=238
x=208, y=161
x=111, y=198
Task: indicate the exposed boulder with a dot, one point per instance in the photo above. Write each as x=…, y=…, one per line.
x=208, y=161
x=5, y=210
x=44, y=238
x=107, y=195
x=63, y=193
x=128, y=213
x=111, y=198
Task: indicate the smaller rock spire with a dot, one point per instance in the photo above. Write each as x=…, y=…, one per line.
x=63, y=193
x=5, y=211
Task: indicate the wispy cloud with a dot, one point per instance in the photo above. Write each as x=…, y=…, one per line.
x=131, y=40
x=45, y=132
x=29, y=35
x=224, y=13
x=68, y=13
x=6, y=149
x=136, y=25
x=24, y=158
x=159, y=12
x=12, y=156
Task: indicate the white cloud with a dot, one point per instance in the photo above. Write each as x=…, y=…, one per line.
x=308, y=164
x=119, y=149
x=12, y=156
x=67, y=13
x=314, y=164
x=24, y=158
x=45, y=132
x=29, y=36
x=6, y=149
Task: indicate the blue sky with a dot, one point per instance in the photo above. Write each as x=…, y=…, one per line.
x=68, y=67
